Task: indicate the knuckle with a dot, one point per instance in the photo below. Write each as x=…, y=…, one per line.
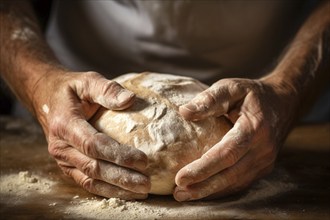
x=57, y=151
x=66, y=170
x=89, y=81
x=87, y=184
x=110, y=87
x=224, y=82
x=60, y=124
x=231, y=155
x=101, y=84
x=243, y=139
x=210, y=97
x=235, y=85
x=240, y=86
x=91, y=74
x=90, y=168
x=88, y=146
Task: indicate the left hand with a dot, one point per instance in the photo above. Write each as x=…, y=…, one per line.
x=261, y=112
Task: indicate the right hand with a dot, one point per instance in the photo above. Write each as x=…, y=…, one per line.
x=64, y=102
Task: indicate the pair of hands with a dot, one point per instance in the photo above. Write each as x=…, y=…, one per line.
x=102, y=166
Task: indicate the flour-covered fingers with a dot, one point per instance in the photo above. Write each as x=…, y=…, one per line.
x=119, y=176
x=214, y=101
x=239, y=186
x=102, y=170
x=81, y=135
x=102, y=188
x=228, y=181
x=234, y=145
x=95, y=88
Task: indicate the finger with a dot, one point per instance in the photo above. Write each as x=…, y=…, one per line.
x=234, y=114
x=81, y=135
x=102, y=188
x=101, y=170
x=240, y=186
x=234, y=145
x=214, y=101
x=107, y=93
x=228, y=181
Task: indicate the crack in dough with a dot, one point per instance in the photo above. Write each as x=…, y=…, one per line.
x=153, y=125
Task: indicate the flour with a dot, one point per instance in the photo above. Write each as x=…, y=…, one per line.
x=154, y=111
x=166, y=208
x=20, y=186
x=168, y=86
x=45, y=108
x=24, y=183
x=160, y=131
x=23, y=34
x=113, y=208
x=128, y=122
x=154, y=125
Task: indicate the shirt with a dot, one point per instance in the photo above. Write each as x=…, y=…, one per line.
x=207, y=40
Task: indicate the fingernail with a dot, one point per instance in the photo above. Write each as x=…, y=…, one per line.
x=182, y=196
x=124, y=96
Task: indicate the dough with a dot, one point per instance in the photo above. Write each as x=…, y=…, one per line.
x=154, y=125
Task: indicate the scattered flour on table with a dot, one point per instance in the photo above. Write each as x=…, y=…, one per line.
x=24, y=183
x=113, y=208
x=95, y=208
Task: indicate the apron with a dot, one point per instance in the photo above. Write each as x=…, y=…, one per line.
x=207, y=40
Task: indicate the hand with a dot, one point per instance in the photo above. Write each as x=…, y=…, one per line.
x=64, y=104
x=261, y=113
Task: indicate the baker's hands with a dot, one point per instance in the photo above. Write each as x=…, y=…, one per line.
x=261, y=112
x=64, y=102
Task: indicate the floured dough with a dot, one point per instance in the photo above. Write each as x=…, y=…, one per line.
x=154, y=125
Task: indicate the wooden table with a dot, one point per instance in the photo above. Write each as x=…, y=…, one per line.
x=299, y=187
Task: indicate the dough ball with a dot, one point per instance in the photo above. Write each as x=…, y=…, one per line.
x=153, y=125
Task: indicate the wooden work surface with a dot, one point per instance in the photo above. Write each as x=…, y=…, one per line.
x=299, y=187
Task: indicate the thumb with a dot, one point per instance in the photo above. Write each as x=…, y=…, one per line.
x=107, y=93
x=214, y=101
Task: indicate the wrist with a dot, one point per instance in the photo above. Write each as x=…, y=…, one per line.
x=285, y=93
x=282, y=85
x=43, y=88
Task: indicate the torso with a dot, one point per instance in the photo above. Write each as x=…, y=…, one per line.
x=207, y=40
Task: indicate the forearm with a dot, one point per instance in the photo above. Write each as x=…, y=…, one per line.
x=25, y=56
x=309, y=50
